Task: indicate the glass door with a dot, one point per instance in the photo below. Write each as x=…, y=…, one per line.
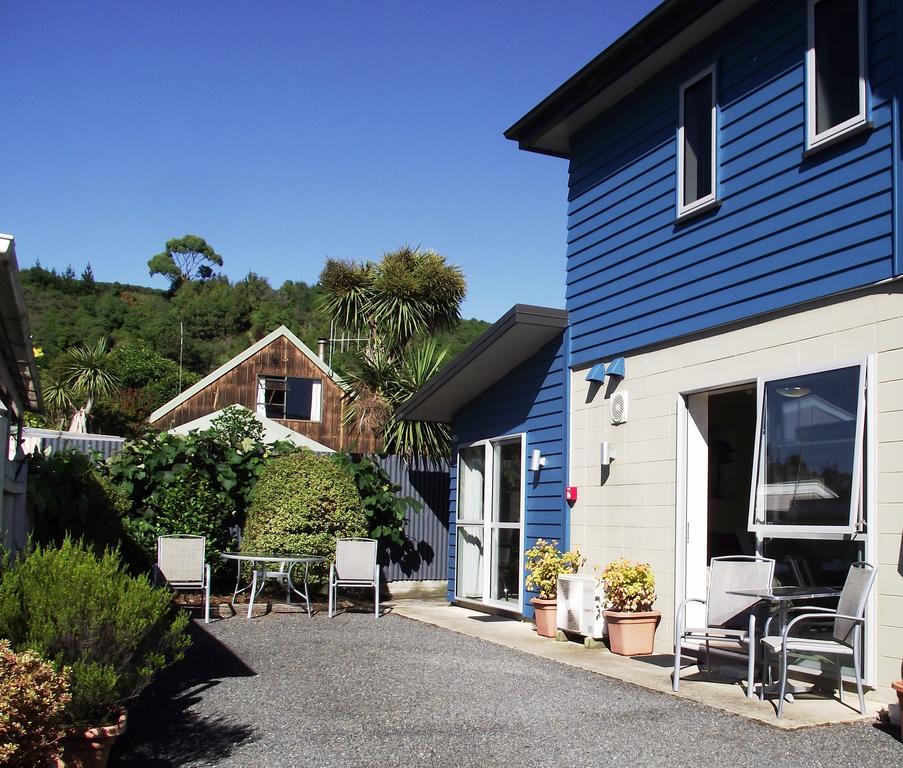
x=469, y=551
x=489, y=538
x=505, y=522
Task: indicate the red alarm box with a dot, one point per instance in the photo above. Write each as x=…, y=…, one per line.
x=570, y=493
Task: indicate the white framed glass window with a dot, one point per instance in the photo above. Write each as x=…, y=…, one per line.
x=835, y=69
x=289, y=398
x=697, y=143
x=809, y=455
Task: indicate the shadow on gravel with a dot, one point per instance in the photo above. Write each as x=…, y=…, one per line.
x=161, y=729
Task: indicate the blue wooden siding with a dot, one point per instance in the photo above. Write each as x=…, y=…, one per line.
x=530, y=400
x=790, y=228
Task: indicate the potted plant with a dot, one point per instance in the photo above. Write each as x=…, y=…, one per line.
x=109, y=631
x=545, y=563
x=629, y=595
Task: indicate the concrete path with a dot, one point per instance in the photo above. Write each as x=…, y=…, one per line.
x=286, y=690
x=727, y=693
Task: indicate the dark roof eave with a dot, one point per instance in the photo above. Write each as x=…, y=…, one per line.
x=572, y=100
x=544, y=323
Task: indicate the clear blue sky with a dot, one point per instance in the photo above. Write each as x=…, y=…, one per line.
x=285, y=132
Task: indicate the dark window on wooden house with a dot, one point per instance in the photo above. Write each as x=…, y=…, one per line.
x=288, y=397
x=835, y=69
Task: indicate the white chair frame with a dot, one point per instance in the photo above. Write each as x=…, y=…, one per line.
x=185, y=566
x=712, y=632
x=360, y=575
x=846, y=625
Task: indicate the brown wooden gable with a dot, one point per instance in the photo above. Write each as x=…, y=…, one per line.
x=239, y=385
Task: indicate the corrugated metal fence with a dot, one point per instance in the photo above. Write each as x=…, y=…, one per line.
x=84, y=442
x=423, y=555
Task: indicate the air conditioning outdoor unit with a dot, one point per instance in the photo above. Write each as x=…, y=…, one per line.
x=580, y=606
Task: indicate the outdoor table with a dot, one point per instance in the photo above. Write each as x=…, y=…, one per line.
x=260, y=574
x=783, y=597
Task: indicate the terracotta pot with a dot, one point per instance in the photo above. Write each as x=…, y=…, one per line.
x=90, y=748
x=545, y=614
x=631, y=634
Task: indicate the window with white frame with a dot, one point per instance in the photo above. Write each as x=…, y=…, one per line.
x=835, y=69
x=288, y=397
x=809, y=457
x=697, y=143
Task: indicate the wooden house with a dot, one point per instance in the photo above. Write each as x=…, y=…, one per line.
x=278, y=378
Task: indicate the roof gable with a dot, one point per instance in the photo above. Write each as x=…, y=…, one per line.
x=210, y=378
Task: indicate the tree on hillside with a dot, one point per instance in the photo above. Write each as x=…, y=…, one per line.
x=410, y=295
x=183, y=259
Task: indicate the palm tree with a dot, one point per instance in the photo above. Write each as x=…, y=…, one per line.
x=86, y=375
x=396, y=304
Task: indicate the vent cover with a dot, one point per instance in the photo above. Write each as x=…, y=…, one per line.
x=579, y=605
x=618, y=406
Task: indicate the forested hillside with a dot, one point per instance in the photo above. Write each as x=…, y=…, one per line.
x=219, y=317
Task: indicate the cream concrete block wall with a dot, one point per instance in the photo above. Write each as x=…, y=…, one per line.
x=633, y=514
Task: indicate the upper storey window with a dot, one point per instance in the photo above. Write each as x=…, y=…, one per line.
x=288, y=397
x=835, y=69
x=697, y=143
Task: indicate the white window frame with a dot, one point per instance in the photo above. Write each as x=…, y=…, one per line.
x=813, y=139
x=684, y=209
x=316, y=397
x=855, y=521
x=489, y=446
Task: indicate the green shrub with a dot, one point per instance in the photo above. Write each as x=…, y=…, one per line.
x=32, y=698
x=302, y=503
x=198, y=483
x=81, y=611
x=386, y=511
x=67, y=496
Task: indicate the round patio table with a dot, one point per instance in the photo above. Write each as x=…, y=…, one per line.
x=260, y=573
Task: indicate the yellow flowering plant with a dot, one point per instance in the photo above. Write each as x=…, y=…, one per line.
x=629, y=586
x=545, y=563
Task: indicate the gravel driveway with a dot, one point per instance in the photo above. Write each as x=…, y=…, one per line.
x=285, y=690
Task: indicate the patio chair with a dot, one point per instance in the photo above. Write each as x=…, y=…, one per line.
x=846, y=640
x=181, y=564
x=729, y=618
x=355, y=566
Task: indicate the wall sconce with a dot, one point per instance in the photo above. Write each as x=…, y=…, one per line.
x=608, y=453
x=536, y=460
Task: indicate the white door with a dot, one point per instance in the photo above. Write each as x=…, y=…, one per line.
x=489, y=552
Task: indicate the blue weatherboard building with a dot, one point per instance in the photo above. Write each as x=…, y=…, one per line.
x=727, y=377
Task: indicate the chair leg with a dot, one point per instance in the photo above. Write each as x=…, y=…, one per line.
x=838, y=668
x=376, y=598
x=708, y=660
x=331, y=589
x=783, y=690
x=765, y=666
x=675, y=678
x=856, y=667
x=207, y=594
x=751, y=669
x=253, y=592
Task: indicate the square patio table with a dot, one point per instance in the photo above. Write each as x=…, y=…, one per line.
x=260, y=575
x=783, y=597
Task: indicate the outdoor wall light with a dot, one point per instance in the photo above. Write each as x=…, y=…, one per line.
x=607, y=453
x=537, y=460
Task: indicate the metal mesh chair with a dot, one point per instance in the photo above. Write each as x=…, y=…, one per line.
x=181, y=564
x=846, y=639
x=729, y=618
x=355, y=566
